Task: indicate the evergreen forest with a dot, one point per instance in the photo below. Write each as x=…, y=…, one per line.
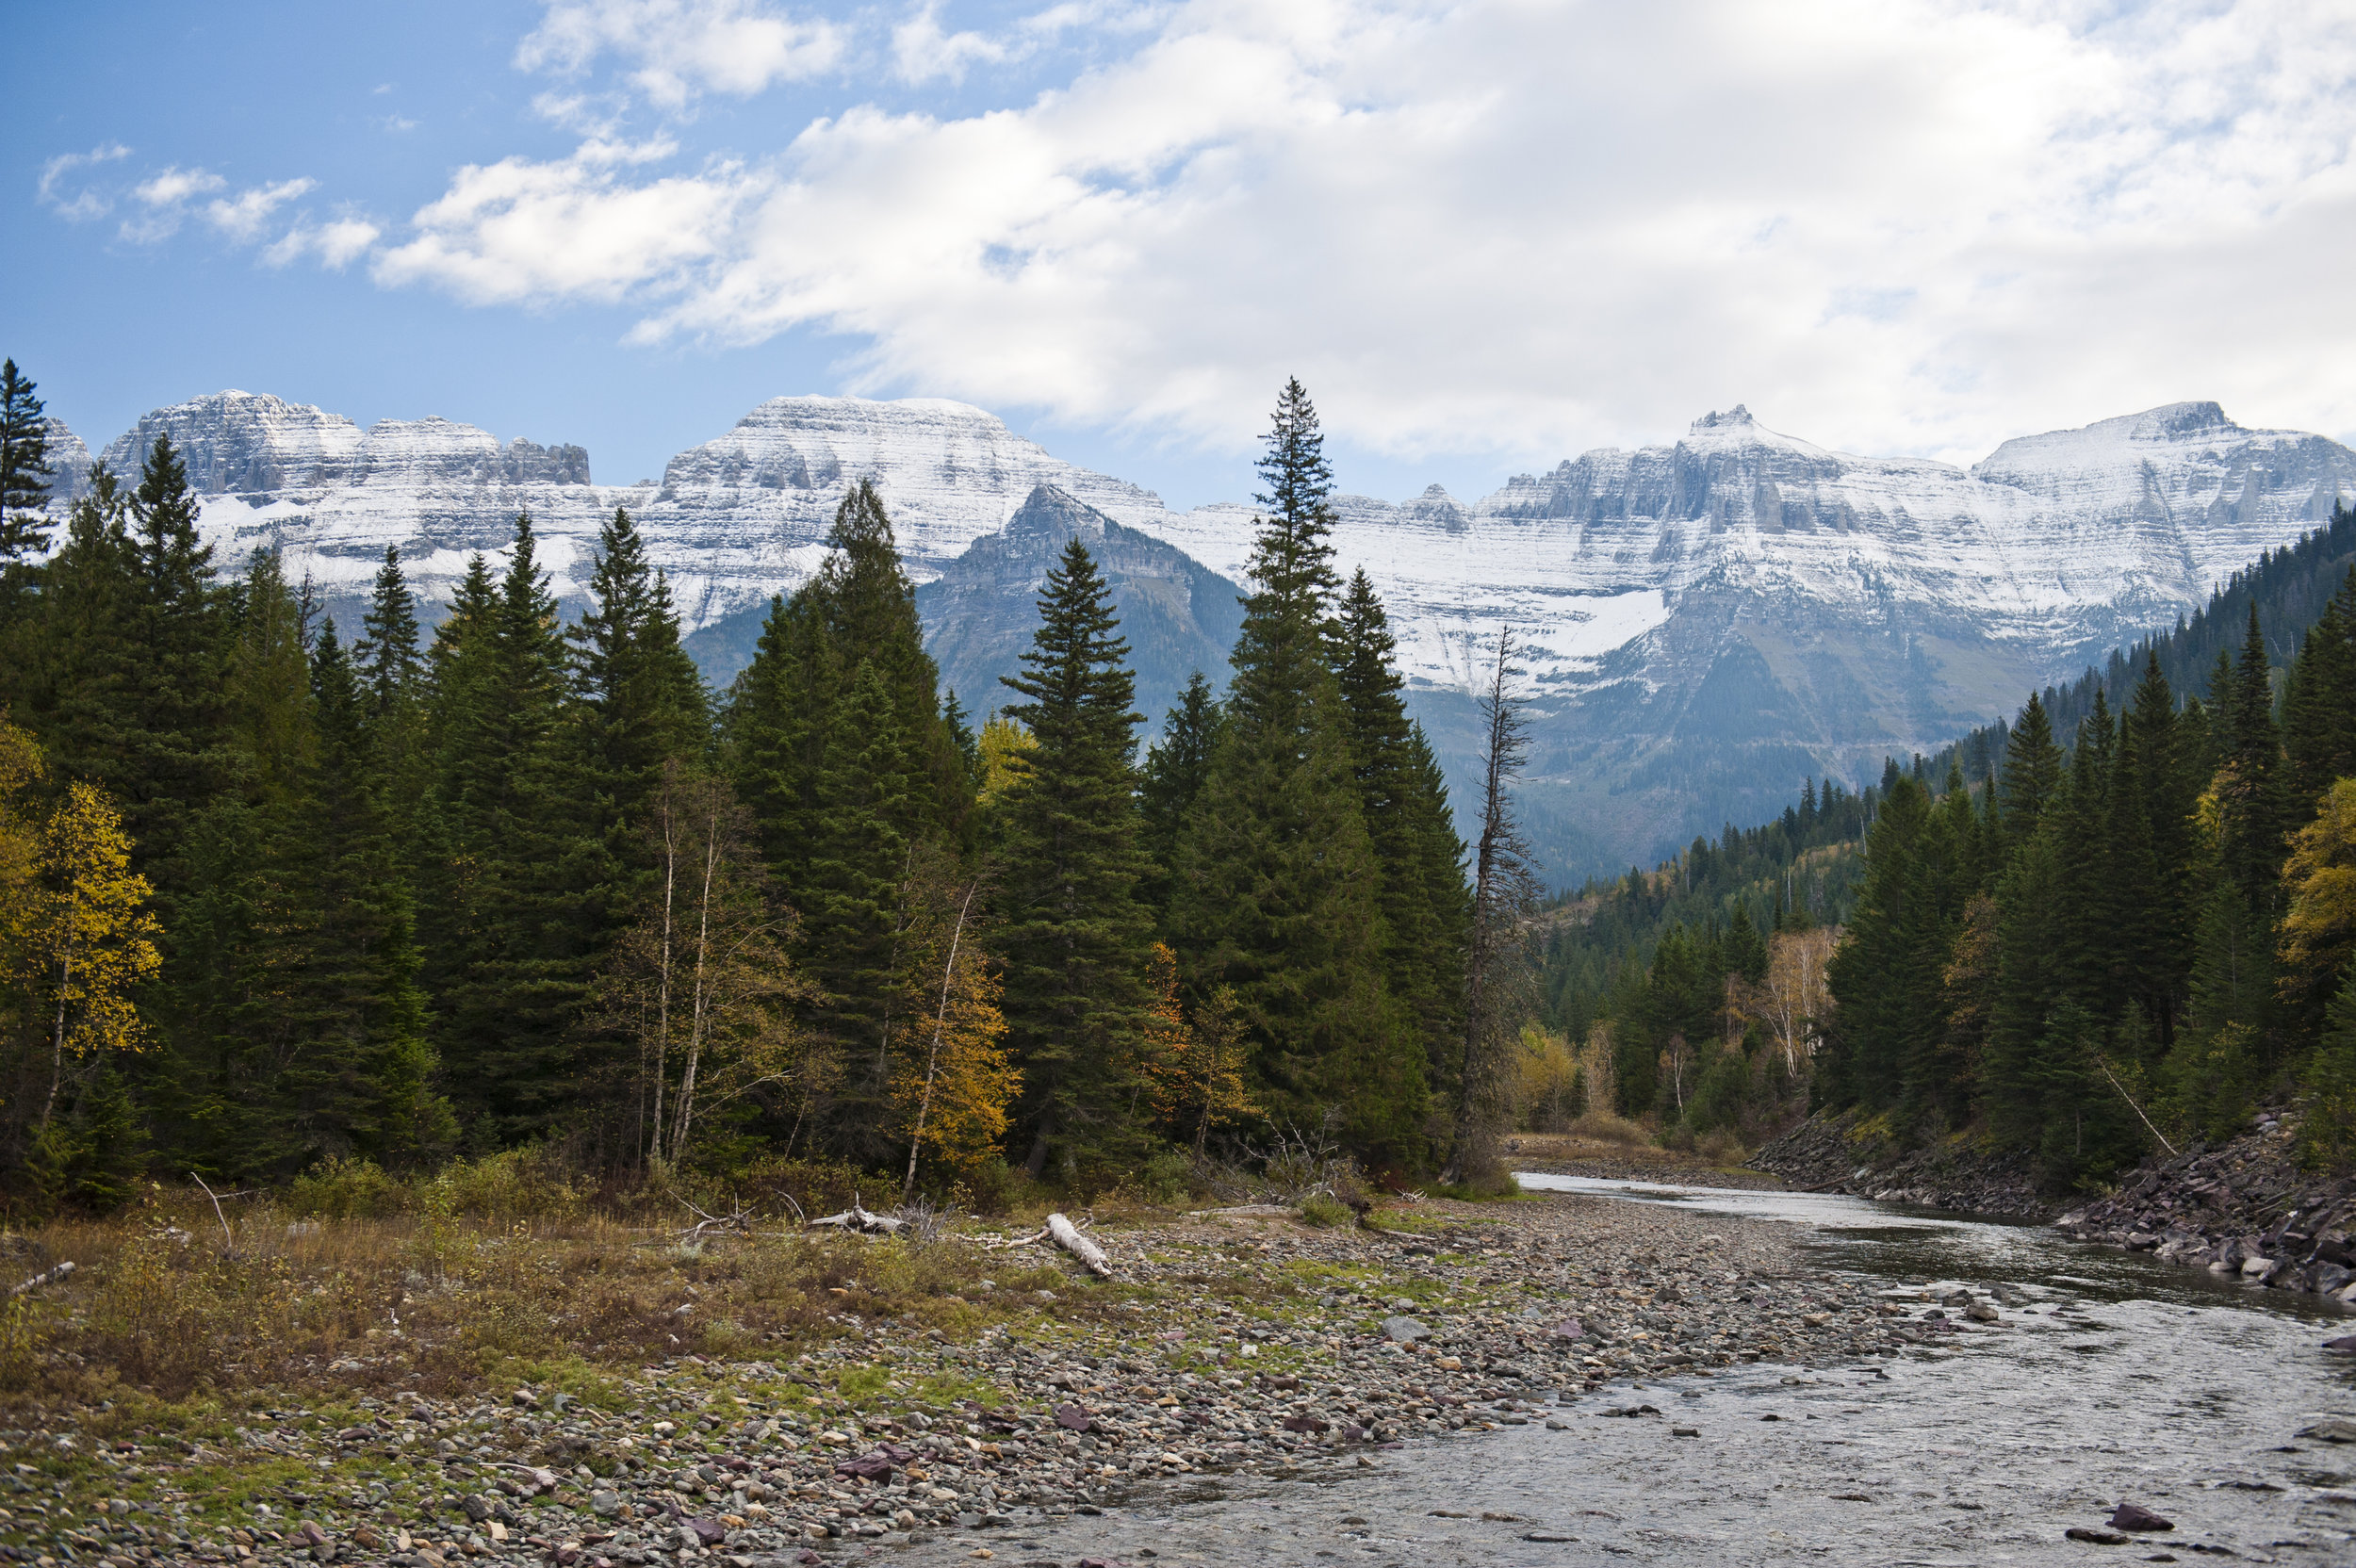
x=279, y=895
x=2082, y=941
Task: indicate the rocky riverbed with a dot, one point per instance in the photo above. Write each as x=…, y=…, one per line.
x=1226, y=1343
x=2244, y=1209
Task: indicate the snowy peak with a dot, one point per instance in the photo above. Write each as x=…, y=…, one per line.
x=253, y=445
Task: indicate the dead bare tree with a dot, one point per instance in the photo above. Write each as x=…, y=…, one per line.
x=1505, y=891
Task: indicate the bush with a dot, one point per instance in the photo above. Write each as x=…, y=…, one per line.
x=1322, y=1209
x=520, y=1184
x=1603, y=1127
x=347, y=1188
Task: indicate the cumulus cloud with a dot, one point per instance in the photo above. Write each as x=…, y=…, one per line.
x=1889, y=224
x=520, y=231
x=679, y=48
x=81, y=201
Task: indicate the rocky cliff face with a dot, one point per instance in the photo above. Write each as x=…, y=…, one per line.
x=1707, y=621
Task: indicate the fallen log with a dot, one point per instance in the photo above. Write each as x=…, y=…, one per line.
x=1067, y=1235
x=47, y=1276
x=860, y=1219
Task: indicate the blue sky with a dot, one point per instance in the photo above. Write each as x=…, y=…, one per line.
x=1487, y=235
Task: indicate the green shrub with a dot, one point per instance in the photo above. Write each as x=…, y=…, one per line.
x=1322, y=1209
x=347, y=1188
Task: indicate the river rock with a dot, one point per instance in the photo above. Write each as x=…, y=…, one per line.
x=2331, y=1429
x=2135, y=1516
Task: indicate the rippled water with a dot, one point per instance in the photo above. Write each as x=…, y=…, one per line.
x=2119, y=1378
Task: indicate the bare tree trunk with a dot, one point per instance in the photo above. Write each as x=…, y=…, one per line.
x=56, y=1036
x=662, y=970
x=932, y=1059
x=698, y=1019
x=1502, y=891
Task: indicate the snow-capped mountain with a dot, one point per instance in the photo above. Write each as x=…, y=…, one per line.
x=1707, y=621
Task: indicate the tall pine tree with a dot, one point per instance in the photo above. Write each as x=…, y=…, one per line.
x=1279, y=896
x=1076, y=941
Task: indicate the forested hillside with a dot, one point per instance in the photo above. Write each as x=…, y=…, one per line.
x=280, y=892
x=2138, y=938
x=2079, y=940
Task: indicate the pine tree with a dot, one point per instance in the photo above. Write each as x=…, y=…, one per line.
x=1278, y=895
x=643, y=701
x=25, y=475
x=2319, y=702
x=2032, y=771
x=1075, y=940
x=862, y=844
x=1426, y=908
x=1176, y=767
x=511, y=852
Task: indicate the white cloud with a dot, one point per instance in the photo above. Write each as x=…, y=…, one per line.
x=1886, y=224
x=518, y=231
x=921, y=52
x=337, y=243
x=85, y=203
x=165, y=196
x=243, y=217
x=680, y=48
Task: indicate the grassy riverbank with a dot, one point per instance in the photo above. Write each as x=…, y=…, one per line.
x=411, y=1389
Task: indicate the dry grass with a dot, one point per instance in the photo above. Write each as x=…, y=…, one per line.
x=165, y=1306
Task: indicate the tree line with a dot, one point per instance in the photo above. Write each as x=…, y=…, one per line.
x=2136, y=939
x=281, y=892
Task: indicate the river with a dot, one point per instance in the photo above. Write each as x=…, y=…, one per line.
x=2110, y=1378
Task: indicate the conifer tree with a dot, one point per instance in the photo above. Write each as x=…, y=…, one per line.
x=1279, y=896
x=2032, y=771
x=862, y=843
x=368, y=1079
x=1176, y=767
x=643, y=701
x=513, y=853
x=1426, y=908
x=386, y=662
x=1076, y=939
x=2319, y=702
x=25, y=476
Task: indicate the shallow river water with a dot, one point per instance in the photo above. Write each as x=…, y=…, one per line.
x=2113, y=1377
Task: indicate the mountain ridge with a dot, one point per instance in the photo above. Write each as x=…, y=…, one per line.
x=1709, y=620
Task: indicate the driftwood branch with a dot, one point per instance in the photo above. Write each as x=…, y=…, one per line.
x=228, y=1237
x=741, y=1222
x=47, y=1277
x=1067, y=1235
x=857, y=1219
x=2133, y=1106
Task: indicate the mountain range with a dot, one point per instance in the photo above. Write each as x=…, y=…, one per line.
x=1707, y=621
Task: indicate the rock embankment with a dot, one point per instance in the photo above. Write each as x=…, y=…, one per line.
x=1224, y=1344
x=1859, y=1155
x=2245, y=1209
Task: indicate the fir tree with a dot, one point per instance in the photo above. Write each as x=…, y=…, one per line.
x=25, y=475
x=2319, y=702
x=1176, y=767
x=2032, y=771
x=643, y=701
x=511, y=850
x=1279, y=895
x=1426, y=908
x=1075, y=940
x=861, y=842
